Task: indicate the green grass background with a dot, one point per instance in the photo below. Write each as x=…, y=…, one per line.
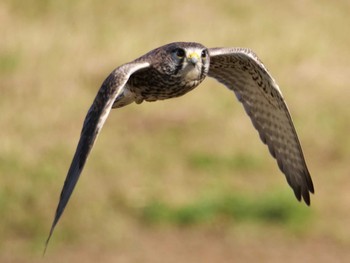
x=166, y=173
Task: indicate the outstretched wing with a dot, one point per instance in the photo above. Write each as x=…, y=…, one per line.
x=241, y=71
x=94, y=120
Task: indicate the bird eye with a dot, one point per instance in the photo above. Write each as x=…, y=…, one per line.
x=204, y=54
x=180, y=53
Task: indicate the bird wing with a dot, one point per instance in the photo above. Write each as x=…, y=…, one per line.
x=241, y=71
x=94, y=120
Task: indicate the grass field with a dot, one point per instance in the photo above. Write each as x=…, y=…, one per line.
x=183, y=180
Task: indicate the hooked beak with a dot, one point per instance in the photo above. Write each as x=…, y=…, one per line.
x=193, y=58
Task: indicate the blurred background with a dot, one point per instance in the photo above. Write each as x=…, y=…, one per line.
x=183, y=180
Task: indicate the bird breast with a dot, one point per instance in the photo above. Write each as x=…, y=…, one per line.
x=153, y=86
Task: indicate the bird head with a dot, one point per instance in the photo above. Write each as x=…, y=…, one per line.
x=191, y=60
x=184, y=59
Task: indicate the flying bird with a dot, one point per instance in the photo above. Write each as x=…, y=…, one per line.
x=173, y=70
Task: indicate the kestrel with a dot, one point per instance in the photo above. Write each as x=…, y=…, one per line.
x=173, y=70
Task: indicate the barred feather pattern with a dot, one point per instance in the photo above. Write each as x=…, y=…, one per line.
x=242, y=72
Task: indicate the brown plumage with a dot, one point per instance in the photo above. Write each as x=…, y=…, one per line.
x=175, y=69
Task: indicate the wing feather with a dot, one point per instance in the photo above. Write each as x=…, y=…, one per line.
x=94, y=120
x=241, y=71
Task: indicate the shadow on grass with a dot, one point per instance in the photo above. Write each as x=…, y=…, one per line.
x=276, y=208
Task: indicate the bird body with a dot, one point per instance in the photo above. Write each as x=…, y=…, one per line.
x=178, y=72
x=173, y=70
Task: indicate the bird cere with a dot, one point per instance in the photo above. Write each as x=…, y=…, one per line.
x=173, y=70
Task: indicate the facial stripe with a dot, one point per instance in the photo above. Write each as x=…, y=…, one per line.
x=179, y=66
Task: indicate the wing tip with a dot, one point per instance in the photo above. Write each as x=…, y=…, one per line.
x=305, y=195
x=302, y=190
x=49, y=237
